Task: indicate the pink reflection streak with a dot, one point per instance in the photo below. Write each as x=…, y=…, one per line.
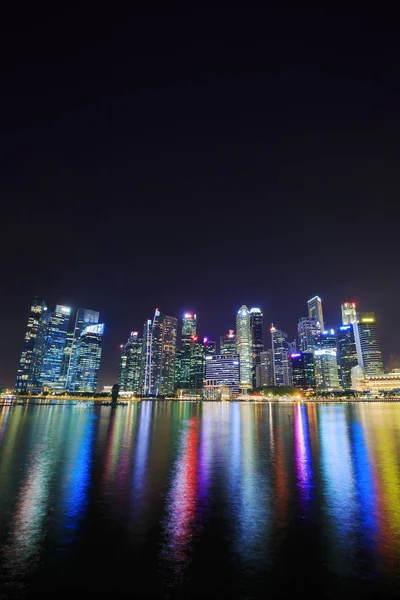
x=183, y=497
x=302, y=455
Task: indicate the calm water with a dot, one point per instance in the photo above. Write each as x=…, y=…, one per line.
x=171, y=500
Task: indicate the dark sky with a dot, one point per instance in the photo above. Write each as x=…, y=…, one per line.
x=200, y=161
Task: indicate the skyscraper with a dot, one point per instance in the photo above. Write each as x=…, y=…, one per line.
x=367, y=344
x=54, y=348
x=31, y=360
x=159, y=358
x=223, y=370
x=281, y=350
x=265, y=378
x=168, y=359
x=315, y=310
x=256, y=325
x=349, y=313
x=197, y=367
x=326, y=369
x=227, y=343
x=189, y=323
x=130, y=364
x=88, y=353
x=328, y=339
x=84, y=317
x=309, y=333
x=346, y=354
x=303, y=370
x=209, y=346
x=244, y=347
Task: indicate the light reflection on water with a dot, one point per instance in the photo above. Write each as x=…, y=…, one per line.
x=179, y=491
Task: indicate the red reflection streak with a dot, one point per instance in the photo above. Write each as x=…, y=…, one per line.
x=313, y=428
x=182, y=511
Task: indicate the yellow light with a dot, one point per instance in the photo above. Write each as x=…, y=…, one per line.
x=367, y=320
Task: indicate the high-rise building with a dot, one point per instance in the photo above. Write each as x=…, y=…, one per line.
x=31, y=360
x=223, y=370
x=88, y=353
x=265, y=370
x=227, y=344
x=209, y=346
x=349, y=313
x=84, y=317
x=159, y=355
x=196, y=365
x=309, y=333
x=130, y=364
x=315, y=310
x=326, y=369
x=54, y=348
x=189, y=324
x=303, y=370
x=346, y=354
x=256, y=325
x=367, y=344
x=244, y=347
x=328, y=339
x=66, y=359
x=281, y=350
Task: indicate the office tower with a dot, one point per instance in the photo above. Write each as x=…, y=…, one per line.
x=309, y=332
x=66, y=359
x=196, y=363
x=244, y=347
x=54, y=348
x=159, y=355
x=281, y=350
x=303, y=370
x=209, y=346
x=25, y=372
x=168, y=358
x=84, y=317
x=315, y=310
x=346, y=354
x=328, y=339
x=265, y=370
x=326, y=369
x=227, y=343
x=367, y=344
x=130, y=364
x=88, y=356
x=223, y=370
x=189, y=324
x=256, y=325
x=349, y=313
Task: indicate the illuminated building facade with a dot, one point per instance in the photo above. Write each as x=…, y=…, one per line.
x=346, y=354
x=367, y=344
x=309, y=333
x=209, y=347
x=130, y=364
x=54, y=348
x=223, y=370
x=227, y=343
x=315, y=311
x=31, y=354
x=88, y=356
x=377, y=383
x=66, y=359
x=256, y=325
x=303, y=370
x=328, y=339
x=84, y=317
x=244, y=347
x=159, y=355
x=349, y=313
x=326, y=369
x=168, y=358
x=189, y=325
x=281, y=350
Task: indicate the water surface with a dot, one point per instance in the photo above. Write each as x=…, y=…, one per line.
x=221, y=500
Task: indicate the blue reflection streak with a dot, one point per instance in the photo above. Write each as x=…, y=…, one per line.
x=142, y=449
x=78, y=480
x=4, y=422
x=365, y=485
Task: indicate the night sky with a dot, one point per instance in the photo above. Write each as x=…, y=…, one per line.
x=198, y=161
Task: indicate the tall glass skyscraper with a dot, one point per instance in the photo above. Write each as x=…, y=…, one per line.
x=189, y=325
x=346, y=354
x=54, y=348
x=326, y=369
x=244, y=347
x=265, y=377
x=159, y=358
x=130, y=364
x=281, y=350
x=88, y=358
x=227, y=343
x=309, y=333
x=303, y=370
x=170, y=330
x=315, y=310
x=84, y=317
x=256, y=325
x=32, y=354
x=349, y=313
x=367, y=343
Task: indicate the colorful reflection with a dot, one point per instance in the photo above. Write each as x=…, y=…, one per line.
x=182, y=503
x=141, y=452
x=303, y=460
